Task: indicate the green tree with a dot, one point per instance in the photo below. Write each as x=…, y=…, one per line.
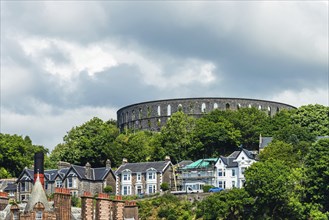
x=279, y=150
x=91, y=142
x=175, y=138
x=317, y=171
x=16, y=153
x=250, y=122
x=268, y=182
x=215, y=136
x=231, y=204
x=136, y=147
x=294, y=134
x=313, y=117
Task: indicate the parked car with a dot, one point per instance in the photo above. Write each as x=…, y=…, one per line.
x=215, y=189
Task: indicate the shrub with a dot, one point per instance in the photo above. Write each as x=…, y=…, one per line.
x=108, y=189
x=207, y=187
x=164, y=187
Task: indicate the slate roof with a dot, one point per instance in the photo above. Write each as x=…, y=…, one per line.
x=142, y=167
x=97, y=174
x=264, y=141
x=10, y=187
x=229, y=161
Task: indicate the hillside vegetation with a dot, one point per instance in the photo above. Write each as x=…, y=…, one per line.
x=289, y=182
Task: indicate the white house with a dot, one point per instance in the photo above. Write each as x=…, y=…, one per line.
x=230, y=170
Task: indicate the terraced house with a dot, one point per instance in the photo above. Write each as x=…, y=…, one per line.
x=76, y=178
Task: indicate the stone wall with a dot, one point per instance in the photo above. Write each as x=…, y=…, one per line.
x=153, y=115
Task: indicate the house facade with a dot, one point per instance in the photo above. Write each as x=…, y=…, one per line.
x=230, y=170
x=76, y=178
x=143, y=178
x=225, y=172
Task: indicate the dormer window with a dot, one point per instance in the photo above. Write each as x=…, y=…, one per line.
x=126, y=177
x=151, y=175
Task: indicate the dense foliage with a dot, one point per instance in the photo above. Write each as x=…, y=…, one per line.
x=16, y=153
x=290, y=181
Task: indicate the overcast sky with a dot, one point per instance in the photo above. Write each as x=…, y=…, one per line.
x=64, y=62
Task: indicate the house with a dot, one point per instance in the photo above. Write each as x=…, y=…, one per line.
x=76, y=178
x=196, y=174
x=143, y=178
x=225, y=172
x=230, y=170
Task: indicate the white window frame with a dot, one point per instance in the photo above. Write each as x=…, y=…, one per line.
x=139, y=177
x=126, y=190
x=233, y=172
x=59, y=184
x=151, y=188
x=151, y=174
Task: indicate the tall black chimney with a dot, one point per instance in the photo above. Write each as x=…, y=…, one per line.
x=38, y=167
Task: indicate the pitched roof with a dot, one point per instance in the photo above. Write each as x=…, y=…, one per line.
x=37, y=195
x=97, y=174
x=142, y=167
x=264, y=141
x=10, y=187
x=229, y=161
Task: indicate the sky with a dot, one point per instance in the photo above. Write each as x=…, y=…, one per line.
x=65, y=62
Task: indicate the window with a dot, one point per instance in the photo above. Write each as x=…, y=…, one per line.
x=180, y=107
x=24, y=186
x=59, y=183
x=151, y=176
x=139, y=190
x=243, y=169
x=227, y=106
x=221, y=172
x=233, y=184
x=46, y=184
x=203, y=107
x=23, y=197
x=38, y=215
x=159, y=110
x=224, y=184
x=215, y=105
x=139, y=177
x=11, y=193
x=169, y=110
x=220, y=184
x=233, y=172
x=126, y=177
x=71, y=182
x=133, y=115
x=151, y=188
x=140, y=113
x=126, y=190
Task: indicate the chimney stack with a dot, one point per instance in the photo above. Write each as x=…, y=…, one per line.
x=167, y=158
x=108, y=164
x=88, y=170
x=124, y=161
x=39, y=168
